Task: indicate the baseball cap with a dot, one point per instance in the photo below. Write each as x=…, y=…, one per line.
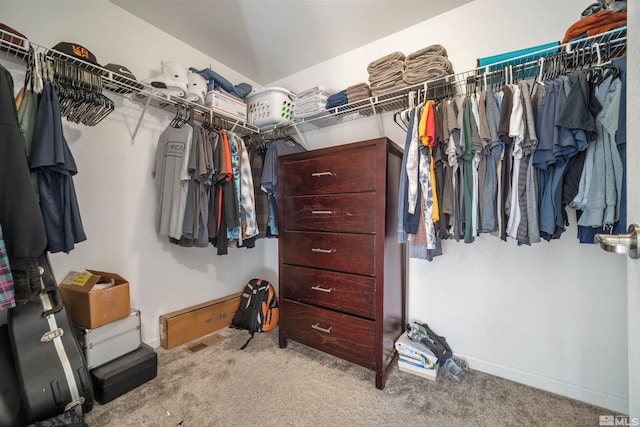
x=164, y=81
x=12, y=36
x=122, y=85
x=197, y=88
x=76, y=51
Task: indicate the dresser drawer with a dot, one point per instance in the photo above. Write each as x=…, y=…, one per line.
x=347, y=252
x=348, y=293
x=344, y=173
x=338, y=212
x=329, y=331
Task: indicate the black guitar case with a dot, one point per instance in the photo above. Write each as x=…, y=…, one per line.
x=10, y=403
x=50, y=367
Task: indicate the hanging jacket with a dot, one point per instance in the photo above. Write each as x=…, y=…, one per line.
x=20, y=216
x=51, y=158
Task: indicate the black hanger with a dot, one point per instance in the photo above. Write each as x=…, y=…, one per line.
x=400, y=124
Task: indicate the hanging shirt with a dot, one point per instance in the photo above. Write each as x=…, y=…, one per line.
x=53, y=162
x=531, y=229
x=171, y=179
x=428, y=139
x=24, y=231
x=269, y=179
x=403, y=235
x=248, y=212
x=489, y=220
x=606, y=182
x=256, y=160
x=203, y=176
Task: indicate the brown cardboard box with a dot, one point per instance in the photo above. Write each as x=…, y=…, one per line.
x=184, y=325
x=89, y=303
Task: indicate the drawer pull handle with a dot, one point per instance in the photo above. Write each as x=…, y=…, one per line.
x=322, y=174
x=322, y=212
x=323, y=251
x=321, y=289
x=317, y=327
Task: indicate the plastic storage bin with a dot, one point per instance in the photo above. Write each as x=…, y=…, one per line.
x=270, y=106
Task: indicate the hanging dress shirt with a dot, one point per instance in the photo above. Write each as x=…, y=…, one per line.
x=53, y=162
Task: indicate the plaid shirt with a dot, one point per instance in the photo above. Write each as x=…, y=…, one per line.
x=6, y=279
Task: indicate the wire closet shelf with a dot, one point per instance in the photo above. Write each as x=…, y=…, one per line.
x=19, y=49
x=576, y=54
x=581, y=53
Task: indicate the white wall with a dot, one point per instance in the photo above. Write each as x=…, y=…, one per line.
x=552, y=315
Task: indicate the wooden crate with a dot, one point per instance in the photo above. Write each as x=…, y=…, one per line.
x=185, y=325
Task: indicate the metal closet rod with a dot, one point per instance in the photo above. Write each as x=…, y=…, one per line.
x=391, y=101
x=590, y=50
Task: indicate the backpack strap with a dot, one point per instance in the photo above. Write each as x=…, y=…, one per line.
x=247, y=343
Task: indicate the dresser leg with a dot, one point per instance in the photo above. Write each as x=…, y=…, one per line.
x=380, y=380
x=283, y=340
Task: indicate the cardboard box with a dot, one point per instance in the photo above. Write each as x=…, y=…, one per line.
x=184, y=325
x=95, y=298
x=226, y=104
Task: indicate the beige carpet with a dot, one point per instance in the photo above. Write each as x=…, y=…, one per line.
x=264, y=385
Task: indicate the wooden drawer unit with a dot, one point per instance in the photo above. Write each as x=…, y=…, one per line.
x=348, y=252
x=342, y=272
x=340, y=173
x=350, y=293
x=336, y=212
x=348, y=336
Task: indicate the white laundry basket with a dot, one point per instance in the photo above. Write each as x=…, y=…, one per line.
x=270, y=106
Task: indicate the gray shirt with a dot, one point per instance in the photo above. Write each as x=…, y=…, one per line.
x=172, y=179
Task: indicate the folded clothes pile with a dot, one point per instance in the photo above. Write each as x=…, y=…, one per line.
x=337, y=99
x=429, y=63
x=359, y=92
x=597, y=23
x=385, y=74
x=311, y=102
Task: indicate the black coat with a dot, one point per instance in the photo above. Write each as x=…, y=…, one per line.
x=20, y=215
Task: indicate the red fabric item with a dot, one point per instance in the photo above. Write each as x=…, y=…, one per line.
x=10, y=39
x=597, y=23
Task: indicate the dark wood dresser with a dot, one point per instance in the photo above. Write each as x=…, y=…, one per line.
x=341, y=271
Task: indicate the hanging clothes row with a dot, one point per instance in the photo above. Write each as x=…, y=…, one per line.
x=264, y=150
x=510, y=160
x=209, y=188
x=49, y=158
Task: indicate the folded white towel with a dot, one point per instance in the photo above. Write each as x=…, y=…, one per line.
x=311, y=100
x=312, y=91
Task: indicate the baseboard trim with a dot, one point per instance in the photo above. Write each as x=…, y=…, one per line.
x=608, y=401
x=155, y=343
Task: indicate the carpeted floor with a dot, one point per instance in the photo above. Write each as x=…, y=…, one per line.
x=264, y=385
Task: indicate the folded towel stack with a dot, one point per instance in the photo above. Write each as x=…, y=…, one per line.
x=385, y=74
x=359, y=92
x=311, y=102
x=337, y=99
x=427, y=64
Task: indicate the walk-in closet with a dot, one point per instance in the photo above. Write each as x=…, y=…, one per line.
x=448, y=210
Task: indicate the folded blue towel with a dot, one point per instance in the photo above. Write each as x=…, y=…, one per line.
x=337, y=99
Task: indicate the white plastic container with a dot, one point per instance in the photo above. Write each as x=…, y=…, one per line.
x=270, y=106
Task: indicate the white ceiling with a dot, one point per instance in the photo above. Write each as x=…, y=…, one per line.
x=266, y=40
